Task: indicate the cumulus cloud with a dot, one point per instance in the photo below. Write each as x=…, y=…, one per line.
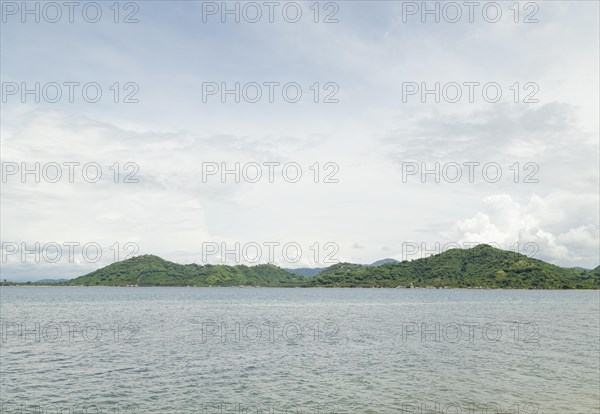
x=546, y=223
x=170, y=133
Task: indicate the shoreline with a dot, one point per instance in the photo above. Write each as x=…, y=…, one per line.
x=293, y=287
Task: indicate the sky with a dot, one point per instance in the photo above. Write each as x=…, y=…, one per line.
x=338, y=149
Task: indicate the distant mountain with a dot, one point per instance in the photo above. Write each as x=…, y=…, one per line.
x=305, y=271
x=382, y=262
x=309, y=272
x=481, y=266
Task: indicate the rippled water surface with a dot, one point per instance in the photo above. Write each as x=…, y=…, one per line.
x=228, y=350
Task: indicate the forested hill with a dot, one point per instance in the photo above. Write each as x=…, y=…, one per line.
x=481, y=266
x=149, y=270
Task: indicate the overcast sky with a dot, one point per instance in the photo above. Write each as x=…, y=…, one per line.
x=373, y=133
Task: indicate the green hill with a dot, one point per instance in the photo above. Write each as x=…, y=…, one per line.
x=149, y=270
x=481, y=266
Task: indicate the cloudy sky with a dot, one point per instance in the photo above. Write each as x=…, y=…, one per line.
x=369, y=135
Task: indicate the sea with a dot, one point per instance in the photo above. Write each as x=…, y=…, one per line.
x=294, y=350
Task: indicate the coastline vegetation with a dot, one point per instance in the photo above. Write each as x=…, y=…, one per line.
x=482, y=266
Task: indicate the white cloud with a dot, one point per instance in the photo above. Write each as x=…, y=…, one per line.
x=368, y=134
x=546, y=222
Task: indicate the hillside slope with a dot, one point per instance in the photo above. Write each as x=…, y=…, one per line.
x=481, y=266
x=149, y=270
